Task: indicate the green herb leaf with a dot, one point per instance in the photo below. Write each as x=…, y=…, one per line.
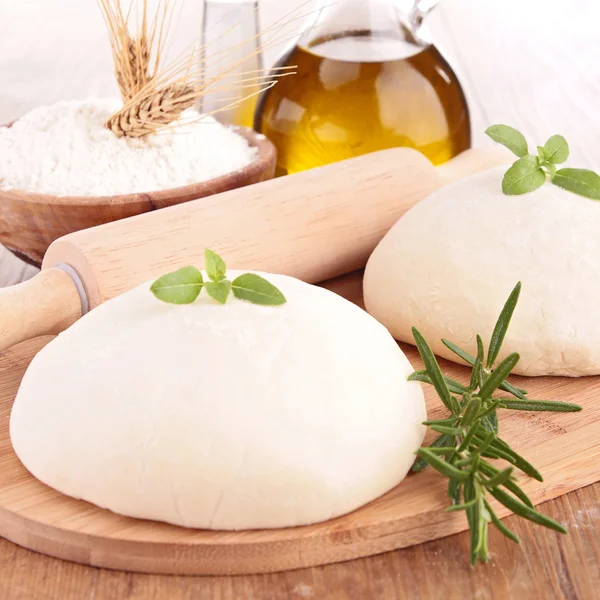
x=541, y=154
x=218, y=290
x=525, y=511
x=510, y=485
x=490, y=422
x=501, y=449
x=539, y=405
x=580, y=181
x=254, y=288
x=459, y=352
x=448, y=421
x=442, y=466
x=502, y=324
x=433, y=369
x=551, y=168
x=180, y=287
x=454, y=386
x=215, y=266
x=454, y=487
x=556, y=149
x=500, y=478
x=420, y=464
x=524, y=176
x=445, y=429
x=471, y=412
x=464, y=506
x=509, y=137
x=500, y=525
x=511, y=389
x=498, y=375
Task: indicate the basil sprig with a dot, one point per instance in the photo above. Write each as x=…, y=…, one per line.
x=184, y=285
x=532, y=170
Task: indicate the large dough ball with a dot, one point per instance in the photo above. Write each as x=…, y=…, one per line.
x=224, y=417
x=449, y=264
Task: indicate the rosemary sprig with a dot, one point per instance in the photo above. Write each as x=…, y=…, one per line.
x=469, y=435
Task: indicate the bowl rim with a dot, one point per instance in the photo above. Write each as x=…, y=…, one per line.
x=265, y=155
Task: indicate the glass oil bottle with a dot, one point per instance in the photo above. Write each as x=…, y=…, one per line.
x=366, y=79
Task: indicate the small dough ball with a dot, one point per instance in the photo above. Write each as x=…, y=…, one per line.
x=449, y=264
x=222, y=417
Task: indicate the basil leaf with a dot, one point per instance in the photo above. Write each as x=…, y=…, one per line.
x=541, y=154
x=580, y=181
x=180, y=287
x=254, y=288
x=218, y=290
x=524, y=176
x=509, y=137
x=214, y=265
x=551, y=168
x=556, y=149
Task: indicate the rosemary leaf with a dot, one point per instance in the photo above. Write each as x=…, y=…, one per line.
x=457, y=507
x=459, y=352
x=503, y=450
x=468, y=437
x=511, y=389
x=539, y=405
x=442, y=466
x=471, y=412
x=445, y=429
x=501, y=326
x=454, y=386
x=500, y=478
x=448, y=421
x=526, y=511
x=500, y=525
x=490, y=421
x=420, y=463
x=510, y=485
x=433, y=369
x=498, y=375
x=472, y=516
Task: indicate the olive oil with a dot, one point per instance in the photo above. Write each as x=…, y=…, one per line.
x=362, y=91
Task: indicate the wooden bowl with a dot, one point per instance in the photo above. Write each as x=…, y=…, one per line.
x=30, y=222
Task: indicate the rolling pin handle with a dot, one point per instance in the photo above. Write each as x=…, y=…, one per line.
x=45, y=305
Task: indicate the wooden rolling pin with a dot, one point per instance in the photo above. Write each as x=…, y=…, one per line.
x=313, y=225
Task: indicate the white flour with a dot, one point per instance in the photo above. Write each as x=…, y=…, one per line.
x=64, y=149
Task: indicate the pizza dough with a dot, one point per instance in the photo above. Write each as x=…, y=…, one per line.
x=223, y=417
x=449, y=264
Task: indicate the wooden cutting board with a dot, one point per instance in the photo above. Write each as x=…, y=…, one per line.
x=565, y=447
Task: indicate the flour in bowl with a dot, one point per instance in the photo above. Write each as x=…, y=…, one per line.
x=64, y=149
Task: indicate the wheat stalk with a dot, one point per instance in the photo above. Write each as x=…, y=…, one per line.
x=155, y=97
x=153, y=110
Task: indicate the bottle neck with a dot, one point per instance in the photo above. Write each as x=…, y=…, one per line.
x=387, y=29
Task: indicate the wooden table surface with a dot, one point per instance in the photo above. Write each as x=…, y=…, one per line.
x=534, y=65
